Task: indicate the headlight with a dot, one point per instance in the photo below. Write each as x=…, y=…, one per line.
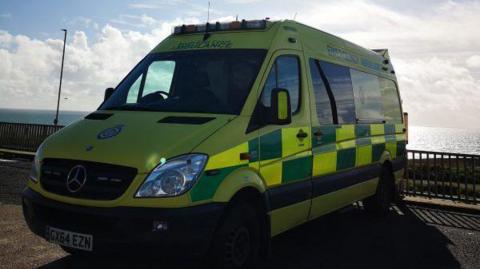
x=173, y=177
x=35, y=170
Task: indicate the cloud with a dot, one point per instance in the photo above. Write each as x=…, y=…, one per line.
x=157, y=5
x=82, y=22
x=5, y=16
x=171, y=3
x=473, y=61
x=435, y=53
x=31, y=67
x=446, y=95
x=136, y=21
x=242, y=1
x=144, y=6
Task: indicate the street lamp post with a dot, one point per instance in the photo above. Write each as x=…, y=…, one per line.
x=55, y=121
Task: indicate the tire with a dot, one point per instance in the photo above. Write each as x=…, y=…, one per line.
x=236, y=243
x=379, y=204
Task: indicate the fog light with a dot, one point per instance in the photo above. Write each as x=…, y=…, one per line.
x=159, y=226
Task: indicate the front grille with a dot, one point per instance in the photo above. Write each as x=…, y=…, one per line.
x=103, y=181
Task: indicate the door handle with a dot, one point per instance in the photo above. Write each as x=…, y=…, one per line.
x=318, y=133
x=301, y=134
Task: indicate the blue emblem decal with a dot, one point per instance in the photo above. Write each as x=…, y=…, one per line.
x=110, y=132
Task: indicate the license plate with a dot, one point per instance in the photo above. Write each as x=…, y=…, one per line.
x=70, y=239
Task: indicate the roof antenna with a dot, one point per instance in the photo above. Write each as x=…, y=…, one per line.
x=208, y=12
x=295, y=16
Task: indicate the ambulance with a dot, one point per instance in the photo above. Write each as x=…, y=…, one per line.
x=224, y=136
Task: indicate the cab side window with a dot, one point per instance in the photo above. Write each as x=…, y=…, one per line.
x=340, y=83
x=324, y=103
x=285, y=74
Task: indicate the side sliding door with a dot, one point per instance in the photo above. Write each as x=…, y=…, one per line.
x=343, y=171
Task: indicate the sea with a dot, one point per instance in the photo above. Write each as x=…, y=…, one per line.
x=451, y=140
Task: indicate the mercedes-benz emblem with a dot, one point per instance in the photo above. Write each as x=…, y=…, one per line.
x=76, y=179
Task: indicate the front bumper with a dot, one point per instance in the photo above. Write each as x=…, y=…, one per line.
x=188, y=230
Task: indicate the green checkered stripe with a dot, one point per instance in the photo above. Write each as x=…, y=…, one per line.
x=267, y=147
x=270, y=148
x=363, y=140
x=366, y=141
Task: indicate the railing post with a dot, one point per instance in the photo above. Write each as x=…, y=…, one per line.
x=442, y=171
x=474, y=181
x=415, y=171
x=421, y=173
x=450, y=174
x=457, y=175
x=465, y=169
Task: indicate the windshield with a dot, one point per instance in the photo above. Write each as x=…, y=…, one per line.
x=209, y=81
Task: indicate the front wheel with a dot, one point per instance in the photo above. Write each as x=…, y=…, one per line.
x=379, y=203
x=236, y=243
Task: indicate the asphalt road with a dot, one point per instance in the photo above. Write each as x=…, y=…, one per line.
x=410, y=237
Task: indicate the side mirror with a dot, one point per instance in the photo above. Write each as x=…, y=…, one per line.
x=108, y=93
x=280, y=110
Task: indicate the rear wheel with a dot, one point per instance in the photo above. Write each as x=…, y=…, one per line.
x=236, y=243
x=379, y=203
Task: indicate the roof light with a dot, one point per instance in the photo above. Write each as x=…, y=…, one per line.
x=226, y=26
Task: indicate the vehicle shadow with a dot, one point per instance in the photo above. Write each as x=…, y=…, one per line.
x=352, y=239
x=346, y=239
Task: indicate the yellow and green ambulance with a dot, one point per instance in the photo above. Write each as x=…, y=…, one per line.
x=224, y=136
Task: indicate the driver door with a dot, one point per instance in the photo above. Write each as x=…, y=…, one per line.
x=285, y=150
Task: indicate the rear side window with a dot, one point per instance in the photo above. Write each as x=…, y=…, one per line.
x=368, y=99
x=338, y=78
x=391, y=101
x=285, y=74
x=323, y=103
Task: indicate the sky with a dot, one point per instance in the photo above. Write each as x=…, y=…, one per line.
x=434, y=46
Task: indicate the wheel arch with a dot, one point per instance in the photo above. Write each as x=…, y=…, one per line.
x=246, y=186
x=236, y=181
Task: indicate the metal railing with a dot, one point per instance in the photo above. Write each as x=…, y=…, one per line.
x=443, y=175
x=24, y=137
